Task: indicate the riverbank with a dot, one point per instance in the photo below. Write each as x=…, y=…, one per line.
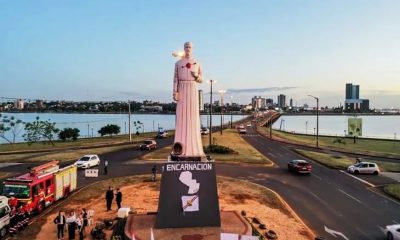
x=363, y=146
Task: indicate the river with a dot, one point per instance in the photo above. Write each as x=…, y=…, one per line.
x=373, y=126
x=89, y=124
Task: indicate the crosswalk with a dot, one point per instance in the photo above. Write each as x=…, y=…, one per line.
x=249, y=135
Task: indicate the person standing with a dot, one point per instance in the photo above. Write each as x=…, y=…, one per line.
x=60, y=222
x=105, y=167
x=118, y=198
x=85, y=221
x=109, y=197
x=79, y=223
x=71, y=222
x=154, y=173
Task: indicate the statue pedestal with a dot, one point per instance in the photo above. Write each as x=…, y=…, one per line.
x=140, y=225
x=188, y=196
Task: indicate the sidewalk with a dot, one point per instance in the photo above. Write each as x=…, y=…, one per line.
x=392, y=175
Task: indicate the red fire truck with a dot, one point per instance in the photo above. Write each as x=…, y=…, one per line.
x=41, y=186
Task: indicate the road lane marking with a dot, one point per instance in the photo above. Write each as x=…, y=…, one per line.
x=395, y=222
x=384, y=196
x=357, y=178
x=316, y=176
x=334, y=233
x=345, y=193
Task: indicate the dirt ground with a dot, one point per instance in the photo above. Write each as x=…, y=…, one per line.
x=233, y=195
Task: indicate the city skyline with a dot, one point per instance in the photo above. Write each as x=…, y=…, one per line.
x=104, y=51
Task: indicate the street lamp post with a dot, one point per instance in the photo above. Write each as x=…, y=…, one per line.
x=129, y=121
x=231, y=112
x=317, y=118
x=211, y=93
x=306, y=127
x=221, y=94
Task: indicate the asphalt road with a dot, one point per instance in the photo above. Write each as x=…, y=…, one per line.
x=325, y=199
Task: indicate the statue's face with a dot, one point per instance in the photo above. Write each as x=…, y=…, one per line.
x=188, y=49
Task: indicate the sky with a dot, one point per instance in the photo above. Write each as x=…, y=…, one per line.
x=120, y=50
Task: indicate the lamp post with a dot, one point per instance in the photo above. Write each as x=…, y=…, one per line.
x=211, y=93
x=129, y=121
x=317, y=117
x=231, y=112
x=221, y=94
x=306, y=127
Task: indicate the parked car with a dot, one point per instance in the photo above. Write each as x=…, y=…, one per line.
x=299, y=166
x=392, y=232
x=88, y=161
x=248, y=124
x=364, y=167
x=204, y=131
x=148, y=145
x=162, y=134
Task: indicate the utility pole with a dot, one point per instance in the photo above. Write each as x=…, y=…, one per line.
x=211, y=93
x=317, y=118
x=129, y=119
x=221, y=93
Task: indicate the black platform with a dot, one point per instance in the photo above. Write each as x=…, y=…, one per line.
x=170, y=208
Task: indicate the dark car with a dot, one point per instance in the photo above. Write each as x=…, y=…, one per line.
x=148, y=145
x=299, y=166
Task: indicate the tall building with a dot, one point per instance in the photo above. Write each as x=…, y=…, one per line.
x=39, y=104
x=269, y=102
x=281, y=101
x=258, y=102
x=19, y=104
x=201, y=100
x=353, y=103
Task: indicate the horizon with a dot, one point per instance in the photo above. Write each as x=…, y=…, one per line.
x=114, y=51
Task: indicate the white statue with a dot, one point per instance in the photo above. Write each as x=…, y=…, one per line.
x=187, y=75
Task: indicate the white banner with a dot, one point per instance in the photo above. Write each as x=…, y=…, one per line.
x=91, y=172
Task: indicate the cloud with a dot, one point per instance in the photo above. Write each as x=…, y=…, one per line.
x=259, y=90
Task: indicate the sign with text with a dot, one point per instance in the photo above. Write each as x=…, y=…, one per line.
x=91, y=172
x=188, y=196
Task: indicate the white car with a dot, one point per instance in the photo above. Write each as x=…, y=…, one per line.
x=364, y=167
x=88, y=161
x=248, y=125
x=204, y=131
x=392, y=232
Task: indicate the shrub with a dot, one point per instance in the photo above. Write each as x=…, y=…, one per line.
x=214, y=148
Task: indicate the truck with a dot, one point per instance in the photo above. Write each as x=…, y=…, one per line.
x=4, y=215
x=41, y=186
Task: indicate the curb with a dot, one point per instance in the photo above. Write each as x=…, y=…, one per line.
x=289, y=208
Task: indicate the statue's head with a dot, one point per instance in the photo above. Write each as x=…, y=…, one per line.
x=188, y=49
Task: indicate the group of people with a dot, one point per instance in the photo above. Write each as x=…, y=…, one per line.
x=72, y=222
x=110, y=196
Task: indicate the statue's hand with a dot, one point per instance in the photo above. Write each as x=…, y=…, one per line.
x=176, y=96
x=196, y=76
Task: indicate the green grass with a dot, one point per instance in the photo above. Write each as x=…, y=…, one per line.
x=393, y=190
x=230, y=138
x=68, y=151
x=81, y=142
x=342, y=162
x=369, y=146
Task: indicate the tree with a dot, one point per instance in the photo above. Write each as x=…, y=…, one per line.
x=40, y=131
x=109, y=129
x=12, y=125
x=69, y=134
